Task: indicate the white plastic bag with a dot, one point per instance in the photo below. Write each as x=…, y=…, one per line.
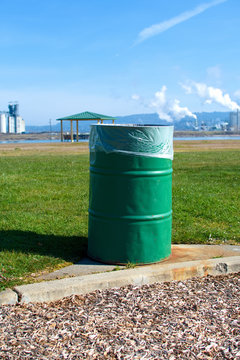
x=151, y=141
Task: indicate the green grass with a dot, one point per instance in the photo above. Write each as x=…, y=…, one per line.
x=44, y=202
x=206, y=203
x=43, y=213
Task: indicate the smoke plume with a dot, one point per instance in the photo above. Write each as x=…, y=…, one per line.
x=211, y=95
x=169, y=110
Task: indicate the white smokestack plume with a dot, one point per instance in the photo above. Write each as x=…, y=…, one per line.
x=211, y=94
x=169, y=110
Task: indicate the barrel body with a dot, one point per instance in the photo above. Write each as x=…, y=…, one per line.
x=130, y=208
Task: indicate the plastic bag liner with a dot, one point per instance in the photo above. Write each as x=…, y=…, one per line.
x=142, y=140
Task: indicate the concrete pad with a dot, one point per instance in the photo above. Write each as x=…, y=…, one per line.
x=180, y=253
x=58, y=289
x=84, y=267
x=191, y=252
x=8, y=297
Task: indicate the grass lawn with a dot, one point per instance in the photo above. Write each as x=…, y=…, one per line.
x=206, y=197
x=44, y=204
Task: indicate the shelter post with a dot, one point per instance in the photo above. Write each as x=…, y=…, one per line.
x=71, y=131
x=113, y=121
x=77, y=130
x=61, y=131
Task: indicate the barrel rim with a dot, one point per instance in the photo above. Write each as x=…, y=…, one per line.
x=133, y=125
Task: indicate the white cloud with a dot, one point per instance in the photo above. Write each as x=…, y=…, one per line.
x=187, y=88
x=169, y=110
x=165, y=25
x=211, y=95
x=135, y=97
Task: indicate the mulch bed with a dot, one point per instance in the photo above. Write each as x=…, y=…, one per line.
x=193, y=319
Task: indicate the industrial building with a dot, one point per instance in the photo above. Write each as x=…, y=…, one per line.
x=234, y=123
x=10, y=121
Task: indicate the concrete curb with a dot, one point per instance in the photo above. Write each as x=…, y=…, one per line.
x=8, y=297
x=58, y=289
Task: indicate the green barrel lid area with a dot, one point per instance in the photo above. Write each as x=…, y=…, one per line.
x=151, y=141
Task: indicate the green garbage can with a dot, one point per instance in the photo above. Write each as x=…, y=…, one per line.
x=130, y=202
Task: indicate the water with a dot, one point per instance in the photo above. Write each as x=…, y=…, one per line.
x=34, y=141
x=190, y=138
x=220, y=137
x=27, y=141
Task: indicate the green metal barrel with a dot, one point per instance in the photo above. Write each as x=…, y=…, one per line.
x=130, y=205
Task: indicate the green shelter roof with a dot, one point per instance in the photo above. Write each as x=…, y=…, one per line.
x=87, y=115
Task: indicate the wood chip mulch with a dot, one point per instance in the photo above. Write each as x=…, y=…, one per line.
x=193, y=319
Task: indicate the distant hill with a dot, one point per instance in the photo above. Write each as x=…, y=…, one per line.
x=211, y=119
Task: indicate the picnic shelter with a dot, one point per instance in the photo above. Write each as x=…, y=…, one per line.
x=84, y=116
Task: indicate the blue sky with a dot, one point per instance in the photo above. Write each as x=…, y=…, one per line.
x=62, y=57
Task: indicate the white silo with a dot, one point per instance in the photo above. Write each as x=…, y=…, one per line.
x=20, y=125
x=3, y=123
x=11, y=124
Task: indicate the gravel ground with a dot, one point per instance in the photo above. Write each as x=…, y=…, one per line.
x=193, y=319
